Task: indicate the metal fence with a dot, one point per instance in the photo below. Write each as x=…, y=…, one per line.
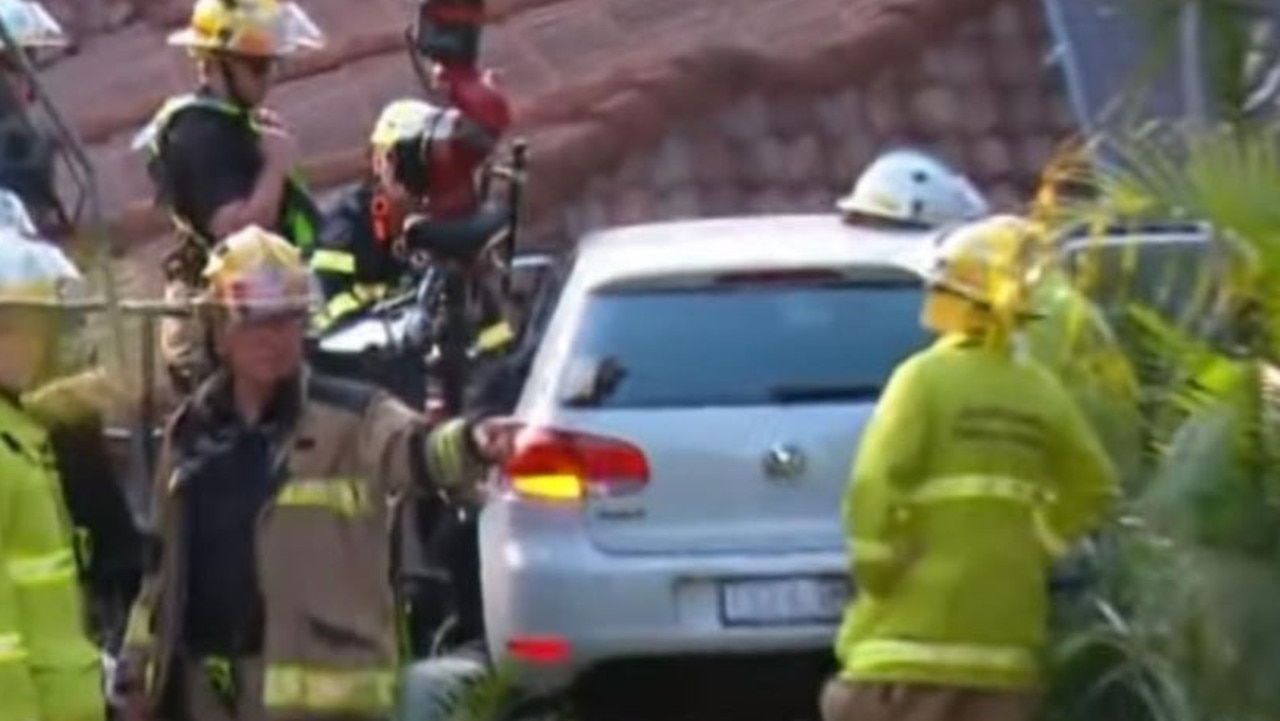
x=1122, y=67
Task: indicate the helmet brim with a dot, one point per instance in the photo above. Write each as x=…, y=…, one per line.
x=935, y=286
x=250, y=312
x=191, y=40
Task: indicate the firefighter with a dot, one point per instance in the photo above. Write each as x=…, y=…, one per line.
x=974, y=474
x=911, y=190
x=361, y=255
x=272, y=595
x=219, y=160
x=48, y=668
x=28, y=155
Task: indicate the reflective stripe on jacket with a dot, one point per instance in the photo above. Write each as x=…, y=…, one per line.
x=323, y=552
x=355, y=260
x=298, y=224
x=48, y=668
x=974, y=473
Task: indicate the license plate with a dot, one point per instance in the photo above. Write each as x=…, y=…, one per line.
x=776, y=602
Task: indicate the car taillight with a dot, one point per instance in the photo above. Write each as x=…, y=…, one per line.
x=540, y=649
x=560, y=465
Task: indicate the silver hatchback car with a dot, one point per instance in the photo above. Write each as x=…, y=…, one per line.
x=692, y=411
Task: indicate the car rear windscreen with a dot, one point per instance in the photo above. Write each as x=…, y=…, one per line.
x=742, y=344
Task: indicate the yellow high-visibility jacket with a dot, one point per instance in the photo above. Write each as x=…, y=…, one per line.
x=975, y=472
x=48, y=668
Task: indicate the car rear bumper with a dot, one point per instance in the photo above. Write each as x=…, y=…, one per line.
x=543, y=579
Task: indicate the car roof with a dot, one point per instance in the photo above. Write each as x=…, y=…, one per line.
x=744, y=244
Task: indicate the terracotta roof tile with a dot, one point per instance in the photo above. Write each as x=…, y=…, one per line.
x=955, y=63
x=573, y=38
x=1033, y=151
x=653, y=19
x=713, y=157
x=982, y=109
x=722, y=200
x=586, y=216
x=597, y=94
x=1006, y=197
x=991, y=157
x=800, y=156
x=672, y=162
x=769, y=200
x=378, y=80
x=745, y=119
x=632, y=169
x=632, y=205
x=814, y=199
x=762, y=159
x=937, y=109
x=844, y=160
x=840, y=114
x=517, y=62
x=885, y=107
x=680, y=202
x=791, y=114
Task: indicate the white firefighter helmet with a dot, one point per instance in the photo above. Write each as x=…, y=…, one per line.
x=37, y=274
x=404, y=119
x=910, y=186
x=14, y=215
x=31, y=25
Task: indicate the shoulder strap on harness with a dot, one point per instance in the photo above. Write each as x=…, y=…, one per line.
x=150, y=136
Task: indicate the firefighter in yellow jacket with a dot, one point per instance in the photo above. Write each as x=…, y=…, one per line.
x=974, y=474
x=272, y=596
x=48, y=669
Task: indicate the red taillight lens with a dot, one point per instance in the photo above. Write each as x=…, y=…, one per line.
x=560, y=465
x=540, y=649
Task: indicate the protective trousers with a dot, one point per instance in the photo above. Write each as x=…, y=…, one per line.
x=222, y=690
x=847, y=701
x=231, y=690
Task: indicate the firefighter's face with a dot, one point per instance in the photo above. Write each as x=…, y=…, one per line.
x=264, y=351
x=250, y=77
x=26, y=337
x=385, y=172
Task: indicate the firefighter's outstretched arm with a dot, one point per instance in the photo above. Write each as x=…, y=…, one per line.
x=408, y=455
x=886, y=466
x=92, y=394
x=1086, y=482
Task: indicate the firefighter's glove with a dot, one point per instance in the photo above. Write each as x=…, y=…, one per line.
x=128, y=686
x=459, y=453
x=493, y=439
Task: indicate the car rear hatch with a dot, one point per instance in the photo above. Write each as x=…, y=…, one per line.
x=740, y=399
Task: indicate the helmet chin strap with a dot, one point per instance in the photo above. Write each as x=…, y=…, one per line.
x=229, y=84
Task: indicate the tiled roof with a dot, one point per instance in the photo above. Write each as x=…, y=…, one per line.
x=638, y=110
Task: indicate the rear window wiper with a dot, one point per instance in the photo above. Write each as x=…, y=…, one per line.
x=818, y=392
x=603, y=381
